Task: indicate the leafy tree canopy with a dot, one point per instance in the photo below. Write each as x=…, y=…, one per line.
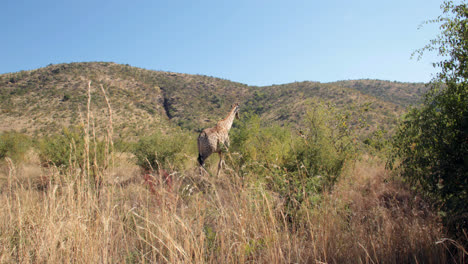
x=432, y=141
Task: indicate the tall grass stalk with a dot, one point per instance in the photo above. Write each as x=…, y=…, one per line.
x=366, y=218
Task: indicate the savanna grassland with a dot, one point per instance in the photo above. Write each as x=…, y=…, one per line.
x=98, y=165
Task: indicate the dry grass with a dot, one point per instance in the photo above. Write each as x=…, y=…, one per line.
x=368, y=218
x=62, y=216
x=374, y=219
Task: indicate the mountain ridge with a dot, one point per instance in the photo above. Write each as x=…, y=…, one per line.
x=43, y=100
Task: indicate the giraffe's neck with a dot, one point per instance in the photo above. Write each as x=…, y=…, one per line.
x=227, y=122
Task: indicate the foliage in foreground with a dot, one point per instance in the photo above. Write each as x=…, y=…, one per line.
x=432, y=141
x=284, y=197
x=160, y=150
x=72, y=147
x=299, y=166
x=365, y=219
x=14, y=145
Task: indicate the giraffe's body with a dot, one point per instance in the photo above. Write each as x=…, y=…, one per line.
x=214, y=139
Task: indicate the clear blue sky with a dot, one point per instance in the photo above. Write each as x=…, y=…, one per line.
x=249, y=41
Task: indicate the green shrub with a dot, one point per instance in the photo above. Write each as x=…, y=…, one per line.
x=378, y=143
x=14, y=145
x=259, y=144
x=318, y=156
x=68, y=148
x=164, y=150
x=432, y=140
x=297, y=166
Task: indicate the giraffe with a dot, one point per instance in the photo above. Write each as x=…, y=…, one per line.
x=211, y=140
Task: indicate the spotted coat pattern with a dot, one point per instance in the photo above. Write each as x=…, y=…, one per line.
x=214, y=139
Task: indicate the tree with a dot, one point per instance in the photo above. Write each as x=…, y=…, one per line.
x=432, y=140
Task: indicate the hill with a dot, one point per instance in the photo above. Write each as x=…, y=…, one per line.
x=43, y=100
x=280, y=197
x=399, y=93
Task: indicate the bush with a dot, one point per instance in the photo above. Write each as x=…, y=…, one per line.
x=297, y=166
x=259, y=144
x=324, y=146
x=68, y=148
x=14, y=145
x=318, y=156
x=433, y=148
x=164, y=150
x=432, y=141
x=377, y=143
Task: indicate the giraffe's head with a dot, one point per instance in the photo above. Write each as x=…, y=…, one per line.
x=236, y=110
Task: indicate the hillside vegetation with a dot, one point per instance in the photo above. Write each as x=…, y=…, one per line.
x=46, y=99
x=98, y=162
x=282, y=198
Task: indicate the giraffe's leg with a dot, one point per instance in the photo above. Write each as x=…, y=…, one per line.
x=220, y=164
x=223, y=163
x=203, y=170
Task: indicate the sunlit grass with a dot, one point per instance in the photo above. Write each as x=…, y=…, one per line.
x=281, y=199
x=367, y=218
